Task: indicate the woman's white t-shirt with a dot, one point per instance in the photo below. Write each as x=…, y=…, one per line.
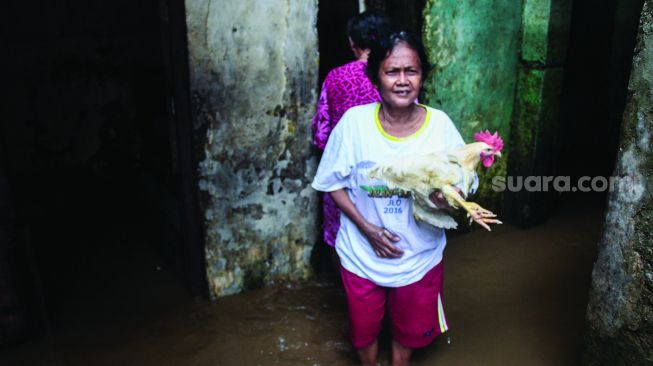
x=356, y=144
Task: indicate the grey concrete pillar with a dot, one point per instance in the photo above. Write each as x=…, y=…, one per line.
x=253, y=72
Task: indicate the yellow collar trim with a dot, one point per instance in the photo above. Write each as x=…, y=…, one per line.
x=427, y=119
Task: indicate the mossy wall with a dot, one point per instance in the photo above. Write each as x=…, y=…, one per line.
x=535, y=122
x=498, y=67
x=253, y=72
x=474, y=47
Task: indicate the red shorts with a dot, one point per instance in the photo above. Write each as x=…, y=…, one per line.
x=416, y=312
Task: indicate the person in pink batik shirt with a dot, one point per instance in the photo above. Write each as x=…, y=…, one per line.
x=344, y=87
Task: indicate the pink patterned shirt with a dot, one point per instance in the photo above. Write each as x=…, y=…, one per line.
x=344, y=87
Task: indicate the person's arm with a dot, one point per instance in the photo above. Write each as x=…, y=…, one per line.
x=379, y=238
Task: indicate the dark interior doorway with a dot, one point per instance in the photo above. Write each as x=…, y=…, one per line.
x=332, y=26
x=333, y=45
x=97, y=155
x=597, y=69
x=405, y=14
x=581, y=149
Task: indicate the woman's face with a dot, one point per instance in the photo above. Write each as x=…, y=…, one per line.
x=400, y=77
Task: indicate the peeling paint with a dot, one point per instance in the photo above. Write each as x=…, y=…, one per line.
x=253, y=80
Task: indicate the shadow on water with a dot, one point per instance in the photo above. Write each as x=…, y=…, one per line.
x=512, y=297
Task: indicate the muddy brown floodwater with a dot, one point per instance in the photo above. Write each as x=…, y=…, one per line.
x=512, y=297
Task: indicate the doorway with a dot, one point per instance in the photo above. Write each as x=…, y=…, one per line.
x=597, y=69
x=332, y=26
x=97, y=153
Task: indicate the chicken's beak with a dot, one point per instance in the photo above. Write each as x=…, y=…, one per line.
x=497, y=154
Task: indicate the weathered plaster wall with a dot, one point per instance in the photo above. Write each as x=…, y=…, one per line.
x=474, y=49
x=253, y=71
x=620, y=311
x=544, y=32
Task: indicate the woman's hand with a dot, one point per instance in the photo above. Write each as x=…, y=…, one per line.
x=382, y=241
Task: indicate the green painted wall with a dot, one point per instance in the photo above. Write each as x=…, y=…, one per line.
x=474, y=46
x=535, y=123
x=498, y=66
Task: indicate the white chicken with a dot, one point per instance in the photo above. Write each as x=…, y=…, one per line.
x=422, y=175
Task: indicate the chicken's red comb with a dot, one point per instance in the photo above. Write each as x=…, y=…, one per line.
x=493, y=140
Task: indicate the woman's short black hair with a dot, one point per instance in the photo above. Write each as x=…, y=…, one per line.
x=385, y=46
x=367, y=28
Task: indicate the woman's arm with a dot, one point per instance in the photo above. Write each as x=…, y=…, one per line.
x=379, y=238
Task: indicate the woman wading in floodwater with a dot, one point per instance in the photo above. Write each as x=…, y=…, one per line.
x=388, y=259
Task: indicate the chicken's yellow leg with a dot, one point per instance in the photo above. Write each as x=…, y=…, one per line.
x=477, y=213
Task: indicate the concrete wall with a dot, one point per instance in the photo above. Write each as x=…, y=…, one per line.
x=253, y=71
x=620, y=324
x=474, y=49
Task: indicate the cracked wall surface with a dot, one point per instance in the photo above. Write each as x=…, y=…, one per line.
x=253, y=72
x=620, y=310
